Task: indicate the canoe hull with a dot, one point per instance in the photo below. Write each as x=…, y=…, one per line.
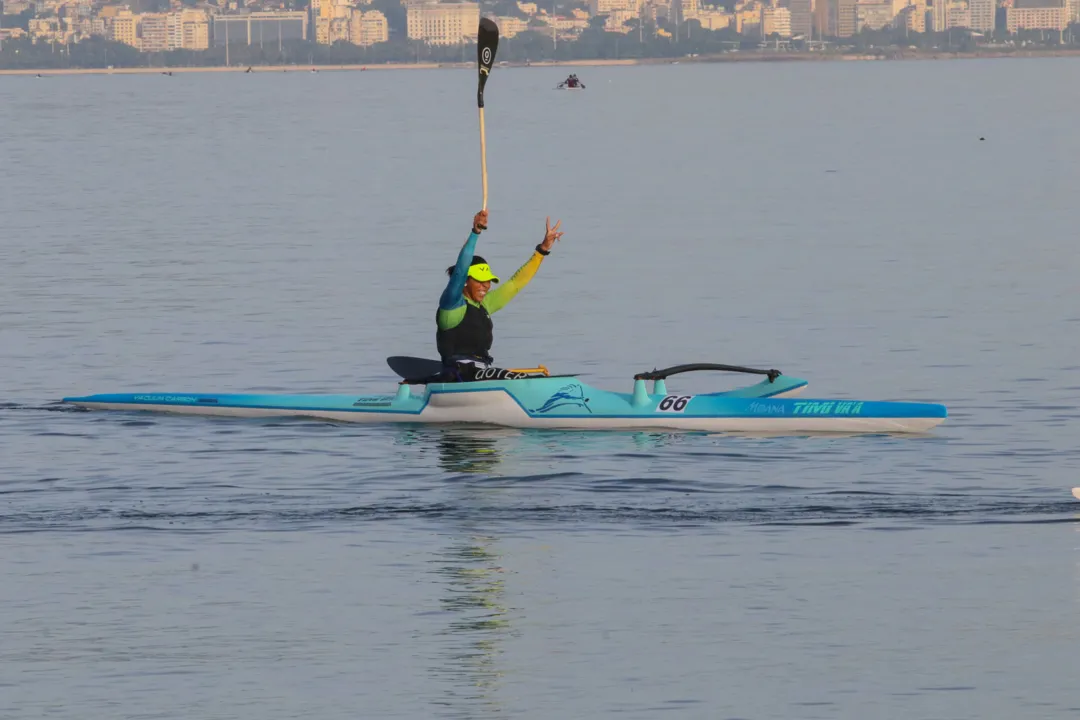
x=513, y=417
x=558, y=403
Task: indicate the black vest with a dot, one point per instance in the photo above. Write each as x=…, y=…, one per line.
x=471, y=338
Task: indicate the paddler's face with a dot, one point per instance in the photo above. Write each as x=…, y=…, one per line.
x=476, y=290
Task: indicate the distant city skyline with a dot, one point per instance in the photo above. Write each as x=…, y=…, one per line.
x=197, y=25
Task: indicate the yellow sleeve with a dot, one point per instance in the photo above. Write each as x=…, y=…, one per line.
x=497, y=299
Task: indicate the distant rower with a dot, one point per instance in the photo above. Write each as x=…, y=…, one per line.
x=572, y=82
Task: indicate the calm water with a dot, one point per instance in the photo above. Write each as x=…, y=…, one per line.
x=842, y=222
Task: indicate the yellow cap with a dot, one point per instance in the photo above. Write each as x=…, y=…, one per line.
x=482, y=273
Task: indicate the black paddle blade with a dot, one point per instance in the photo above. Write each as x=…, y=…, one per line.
x=410, y=368
x=487, y=42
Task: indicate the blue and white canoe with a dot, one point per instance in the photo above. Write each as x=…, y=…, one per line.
x=562, y=402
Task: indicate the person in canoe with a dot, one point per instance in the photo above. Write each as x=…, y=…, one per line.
x=464, y=332
x=572, y=82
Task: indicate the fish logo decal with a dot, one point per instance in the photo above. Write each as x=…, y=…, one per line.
x=573, y=395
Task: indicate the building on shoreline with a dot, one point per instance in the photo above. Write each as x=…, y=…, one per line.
x=189, y=30
x=152, y=31
x=873, y=15
x=983, y=15
x=368, y=27
x=802, y=16
x=912, y=18
x=1039, y=15
x=835, y=18
x=776, y=21
x=121, y=25
x=439, y=23
x=260, y=28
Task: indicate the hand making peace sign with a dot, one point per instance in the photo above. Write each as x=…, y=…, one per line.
x=551, y=234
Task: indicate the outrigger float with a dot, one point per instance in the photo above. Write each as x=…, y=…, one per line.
x=540, y=400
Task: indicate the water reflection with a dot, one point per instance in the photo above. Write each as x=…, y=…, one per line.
x=471, y=573
x=471, y=570
x=490, y=450
x=472, y=451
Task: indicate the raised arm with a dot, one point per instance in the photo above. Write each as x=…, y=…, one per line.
x=452, y=296
x=452, y=301
x=498, y=298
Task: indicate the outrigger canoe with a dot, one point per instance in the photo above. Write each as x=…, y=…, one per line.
x=541, y=400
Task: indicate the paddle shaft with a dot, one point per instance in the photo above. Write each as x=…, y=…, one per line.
x=483, y=158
